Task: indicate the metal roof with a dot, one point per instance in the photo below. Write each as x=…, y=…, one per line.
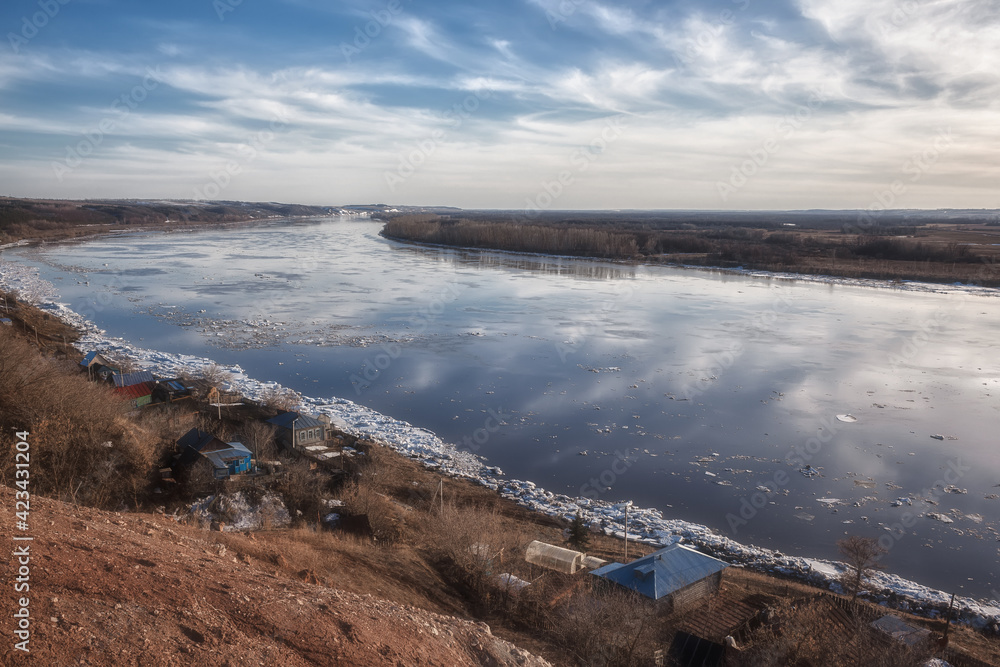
x=128, y=379
x=285, y=419
x=662, y=572
x=199, y=440
x=134, y=391
x=95, y=358
x=221, y=458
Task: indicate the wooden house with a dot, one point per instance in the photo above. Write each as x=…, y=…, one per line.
x=675, y=576
x=298, y=431
x=167, y=391
x=224, y=459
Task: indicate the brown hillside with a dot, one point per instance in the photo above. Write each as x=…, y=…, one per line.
x=139, y=589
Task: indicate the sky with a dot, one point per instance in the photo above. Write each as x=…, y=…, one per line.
x=515, y=104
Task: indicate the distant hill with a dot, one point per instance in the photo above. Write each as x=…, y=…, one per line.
x=53, y=218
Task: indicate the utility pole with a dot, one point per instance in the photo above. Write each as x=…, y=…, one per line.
x=626, y=530
x=947, y=620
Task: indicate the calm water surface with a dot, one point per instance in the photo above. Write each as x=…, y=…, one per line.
x=702, y=383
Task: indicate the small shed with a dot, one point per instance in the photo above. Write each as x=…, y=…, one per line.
x=677, y=575
x=298, y=431
x=6, y=321
x=137, y=395
x=552, y=557
x=902, y=631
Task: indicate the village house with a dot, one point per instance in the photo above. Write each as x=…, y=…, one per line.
x=298, y=431
x=98, y=366
x=224, y=459
x=136, y=388
x=167, y=391
x=675, y=576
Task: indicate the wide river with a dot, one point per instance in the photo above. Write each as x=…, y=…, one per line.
x=700, y=393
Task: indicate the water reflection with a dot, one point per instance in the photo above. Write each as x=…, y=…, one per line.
x=559, y=266
x=704, y=380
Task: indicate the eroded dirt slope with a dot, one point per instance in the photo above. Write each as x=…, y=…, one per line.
x=138, y=589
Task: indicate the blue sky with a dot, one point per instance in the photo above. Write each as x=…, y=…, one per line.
x=560, y=104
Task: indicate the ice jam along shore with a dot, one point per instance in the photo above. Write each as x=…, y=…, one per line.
x=645, y=525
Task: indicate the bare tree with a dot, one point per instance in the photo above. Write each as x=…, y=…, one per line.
x=861, y=554
x=215, y=375
x=280, y=398
x=259, y=437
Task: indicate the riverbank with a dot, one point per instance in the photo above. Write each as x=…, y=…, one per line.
x=928, y=252
x=648, y=526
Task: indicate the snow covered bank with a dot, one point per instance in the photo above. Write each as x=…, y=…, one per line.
x=646, y=525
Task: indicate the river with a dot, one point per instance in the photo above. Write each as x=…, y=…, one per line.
x=704, y=394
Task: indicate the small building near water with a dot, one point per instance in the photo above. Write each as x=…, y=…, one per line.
x=226, y=459
x=137, y=395
x=298, y=431
x=552, y=557
x=676, y=575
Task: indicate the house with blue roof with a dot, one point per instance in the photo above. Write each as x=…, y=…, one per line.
x=298, y=431
x=226, y=459
x=677, y=575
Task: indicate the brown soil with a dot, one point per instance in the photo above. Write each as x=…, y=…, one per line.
x=140, y=589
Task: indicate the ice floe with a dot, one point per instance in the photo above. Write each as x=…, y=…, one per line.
x=645, y=525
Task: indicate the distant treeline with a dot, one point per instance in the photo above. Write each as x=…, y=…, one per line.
x=880, y=252
x=510, y=236
x=31, y=218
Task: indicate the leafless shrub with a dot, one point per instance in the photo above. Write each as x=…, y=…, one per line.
x=816, y=632
x=303, y=490
x=215, y=375
x=612, y=628
x=84, y=446
x=259, y=437
x=861, y=554
x=280, y=398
